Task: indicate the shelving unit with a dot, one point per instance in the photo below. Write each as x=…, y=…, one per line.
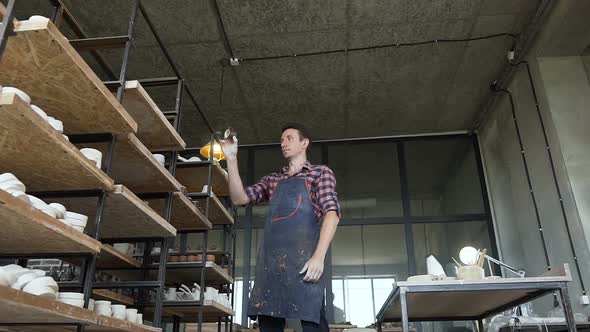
x=56, y=78
x=127, y=127
x=187, y=311
x=26, y=230
x=50, y=162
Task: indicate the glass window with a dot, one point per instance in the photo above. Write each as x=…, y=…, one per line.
x=367, y=178
x=445, y=240
x=442, y=177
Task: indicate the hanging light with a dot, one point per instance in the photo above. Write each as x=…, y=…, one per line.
x=217, y=151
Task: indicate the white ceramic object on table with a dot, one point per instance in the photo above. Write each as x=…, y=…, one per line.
x=160, y=158
x=119, y=311
x=40, y=291
x=468, y=255
x=65, y=221
x=12, y=185
x=61, y=210
x=433, y=267
x=50, y=211
x=205, y=188
x=76, y=222
x=36, y=202
x=76, y=216
x=93, y=155
x=9, y=274
x=41, y=113
x=122, y=247
x=193, y=159
x=66, y=137
x=26, y=278
x=7, y=177
x=20, y=93
x=171, y=294
x=79, y=228
x=131, y=315
x=420, y=278
x=139, y=319
x=56, y=124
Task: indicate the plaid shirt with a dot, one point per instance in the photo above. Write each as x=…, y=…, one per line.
x=320, y=179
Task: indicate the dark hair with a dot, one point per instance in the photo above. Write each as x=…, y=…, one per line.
x=303, y=132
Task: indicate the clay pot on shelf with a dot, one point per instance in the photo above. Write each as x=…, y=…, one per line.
x=210, y=258
x=173, y=259
x=183, y=258
x=193, y=258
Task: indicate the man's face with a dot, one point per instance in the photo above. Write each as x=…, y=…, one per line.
x=291, y=144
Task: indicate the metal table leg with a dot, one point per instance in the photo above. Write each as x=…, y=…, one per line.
x=480, y=325
x=379, y=327
x=567, y=308
x=404, y=306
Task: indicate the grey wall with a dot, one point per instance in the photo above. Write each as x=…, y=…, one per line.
x=518, y=235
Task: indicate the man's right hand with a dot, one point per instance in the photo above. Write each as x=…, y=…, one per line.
x=230, y=148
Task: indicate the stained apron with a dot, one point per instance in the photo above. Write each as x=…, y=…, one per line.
x=291, y=235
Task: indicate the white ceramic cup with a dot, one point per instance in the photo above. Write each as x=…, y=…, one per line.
x=131, y=315
x=171, y=294
x=103, y=307
x=61, y=210
x=39, y=111
x=91, y=304
x=12, y=185
x=76, y=216
x=139, y=319
x=56, y=124
x=160, y=158
x=19, y=92
x=118, y=311
x=7, y=177
x=71, y=295
x=76, y=303
x=93, y=154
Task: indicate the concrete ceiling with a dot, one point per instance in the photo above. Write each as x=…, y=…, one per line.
x=418, y=89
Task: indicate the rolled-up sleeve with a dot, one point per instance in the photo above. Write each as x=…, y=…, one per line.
x=326, y=192
x=258, y=192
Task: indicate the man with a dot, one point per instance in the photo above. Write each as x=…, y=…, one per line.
x=300, y=225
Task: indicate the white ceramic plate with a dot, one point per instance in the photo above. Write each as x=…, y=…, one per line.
x=77, y=216
x=37, y=203
x=7, y=177
x=39, y=111
x=71, y=295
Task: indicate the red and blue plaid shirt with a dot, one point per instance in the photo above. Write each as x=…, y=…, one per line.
x=320, y=179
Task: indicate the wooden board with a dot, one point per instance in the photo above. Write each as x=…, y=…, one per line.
x=38, y=154
x=41, y=61
x=26, y=230
x=185, y=215
x=154, y=130
x=188, y=273
x=189, y=313
x=194, y=175
x=134, y=166
x=113, y=259
x=218, y=214
x=107, y=295
x=124, y=216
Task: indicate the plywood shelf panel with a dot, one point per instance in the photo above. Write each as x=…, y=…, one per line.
x=124, y=216
x=134, y=166
x=26, y=230
x=38, y=154
x=194, y=175
x=189, y=311
x=185, y=215
x=107, y=295
x=154, y=130
x=41, y=61
x=20, y=307
x=114, y=259
x=218, y=214
x=190, y=272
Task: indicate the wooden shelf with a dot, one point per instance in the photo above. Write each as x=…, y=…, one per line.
x=107, y=295
x=134, y=166
x=124, y=216
x=194, y=175
x=112, y=258
x=190, y=272
x=26, y=230
x=185, y=215
x=218, y=214
x=188, y=311
x=154, y=130
x=20, y=307
x=38, y=154
x=41, y=61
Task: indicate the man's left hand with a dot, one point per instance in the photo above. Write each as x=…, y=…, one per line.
x=314, y=267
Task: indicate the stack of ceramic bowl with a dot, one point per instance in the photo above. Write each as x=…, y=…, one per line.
x=93, y=155
x=53, y=122
x=103, y=308
x=76, y=220
x=160, y=158
x=75, y=299
x=11, y=184
x=30, y=281
x=39, y=204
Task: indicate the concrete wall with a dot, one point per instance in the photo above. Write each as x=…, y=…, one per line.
x=560, y=88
